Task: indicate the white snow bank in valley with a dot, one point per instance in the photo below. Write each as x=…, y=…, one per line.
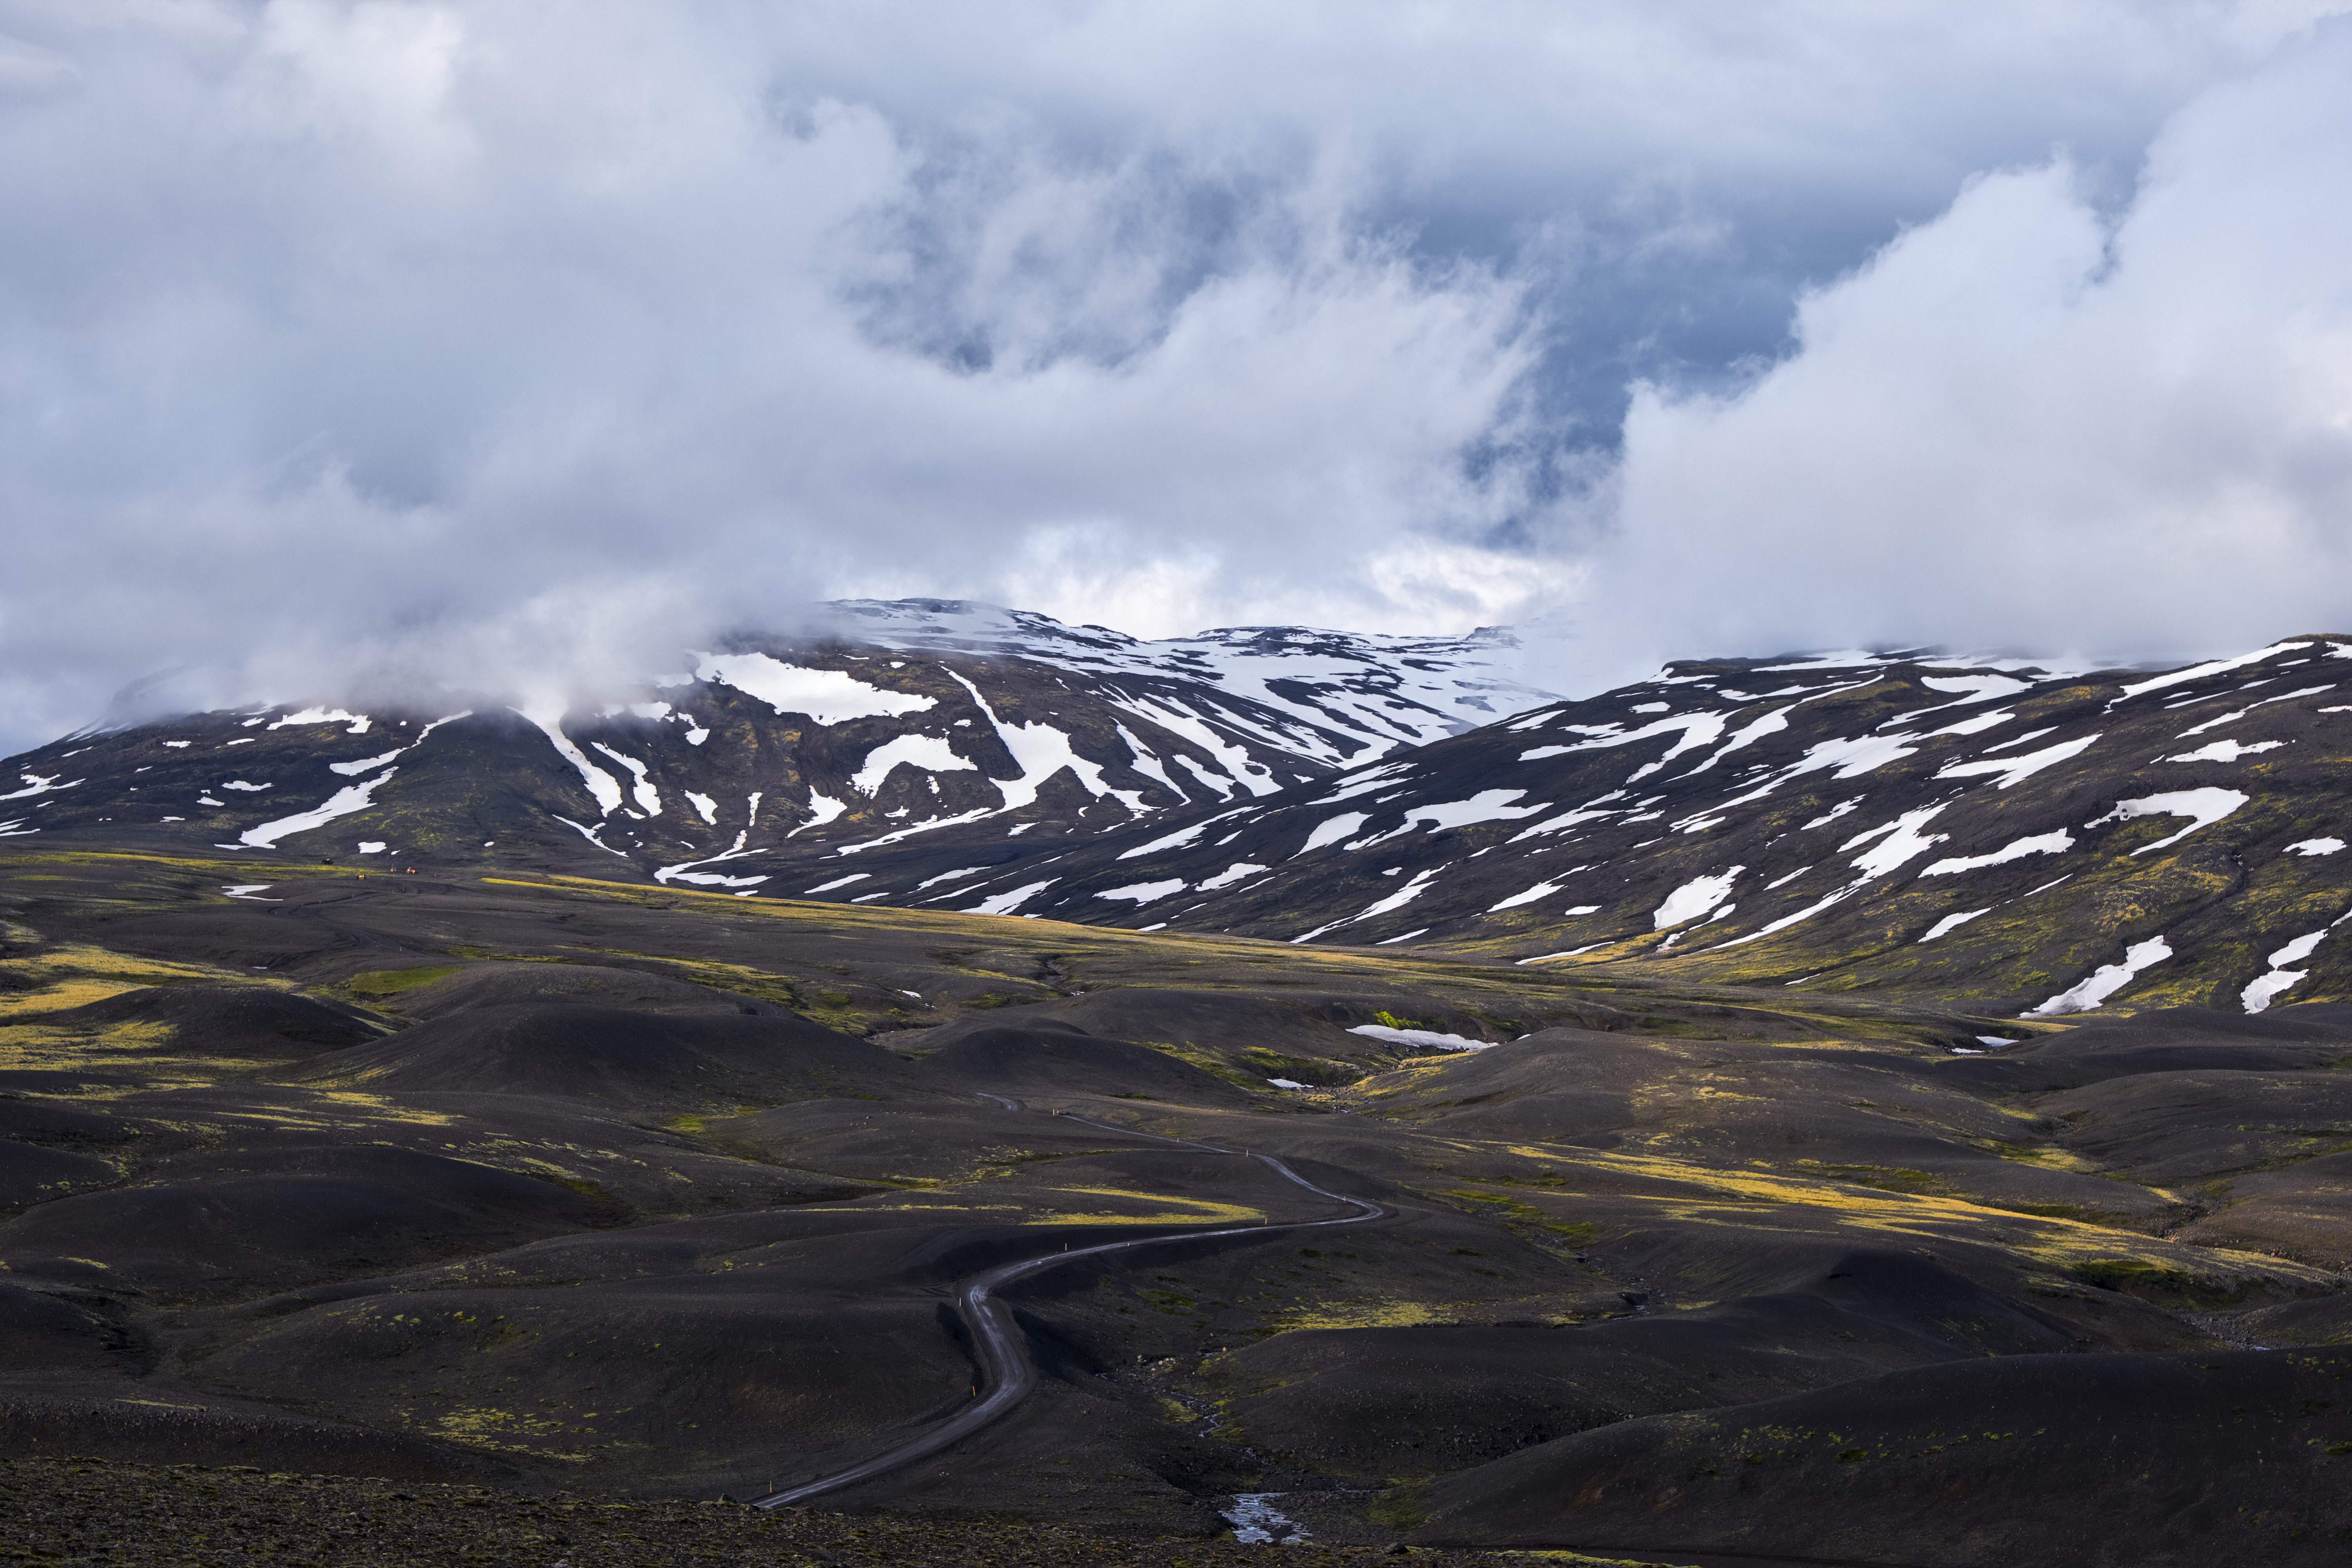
x=372, y=846
x=648, y=798
x=2219, y=666
x=1487, y=805
x=1333, y=829
x=704, y=806
x=368, y=764
x=2013, y=770
x=2260, y=993
x=365, y=764
x=1951, y=923
x=357, y=722
x=36, y=783
x=1361, y=781
x=2107, y=980
x=2018, y=849
x=825, y=696
x=929, y=752
x=1424, y=1036
x=1902, y=843
x=1235, y=872
x=1540, y=891
x=714, y=879
x=1178, y=840
x=2204, y=807
x=601, y=785
x=1396, y=900
x=1745, y=735
x=1042, y=751
x=1571, y=952
x=2224, y=752
x=1976, y=724
x=839, y=882
x=342, y=803
x=1694, y=899
x=2242, y=712
x=1006, y=903
x=1188, y=725
x=245, y=785
x=2315, y=846
x=1697, y=730
x=823, y=808
x=248, y=889
x=1145, y=892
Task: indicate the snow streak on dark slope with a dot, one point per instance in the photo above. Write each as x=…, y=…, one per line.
x=1984, y=831
x=2010, y=836
x=948, y=737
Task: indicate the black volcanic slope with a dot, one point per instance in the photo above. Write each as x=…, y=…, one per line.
x=551, y=1184
x=1998, y=838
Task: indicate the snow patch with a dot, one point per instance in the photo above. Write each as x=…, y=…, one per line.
x=1424, y=1036
x=357, y=722
x=2204, y=807
x=931, y=752
x=2018, y=849
x=342, y=803
x=1694, y=899
x=1179, y=838
x=2013, y=770
x=36, y=783
x=2315, y=846
x=1331, y=830
x=2198, y=671
x=1237, y=871
x=1951, y=923
x=826, y=696
x=1005, y=903
x=601, y=785
x=648, y=798
x=2107, y=980
x=1540, y=891
x=2224, y=752
x=823, y=808
x=704, y=806
x=1145, y=892
x=2259, y=994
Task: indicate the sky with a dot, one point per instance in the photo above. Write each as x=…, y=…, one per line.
x=422, y=343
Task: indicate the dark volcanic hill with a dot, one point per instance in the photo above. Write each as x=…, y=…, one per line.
x=928, y=736
x=2002, y=836
x=2006, y=838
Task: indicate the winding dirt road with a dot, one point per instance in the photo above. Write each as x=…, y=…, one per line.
x=1007, y=1374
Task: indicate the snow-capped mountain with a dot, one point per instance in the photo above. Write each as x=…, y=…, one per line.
x=1990, y=831
x=925, y=728
x=2013, y=836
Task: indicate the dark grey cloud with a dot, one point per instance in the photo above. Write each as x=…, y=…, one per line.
x=399, y=341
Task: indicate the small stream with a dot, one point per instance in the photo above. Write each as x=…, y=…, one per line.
x=1257, y=1522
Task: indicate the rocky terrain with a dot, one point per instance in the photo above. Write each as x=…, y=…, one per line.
x=548, y=1185
x=1880, y=1110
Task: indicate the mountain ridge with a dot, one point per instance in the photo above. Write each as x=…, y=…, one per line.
x=1999, y=835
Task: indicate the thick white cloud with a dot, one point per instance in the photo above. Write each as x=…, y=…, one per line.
x=418, y=339
x=2022, y=424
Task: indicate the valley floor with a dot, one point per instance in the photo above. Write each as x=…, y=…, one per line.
x=520, y=1191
